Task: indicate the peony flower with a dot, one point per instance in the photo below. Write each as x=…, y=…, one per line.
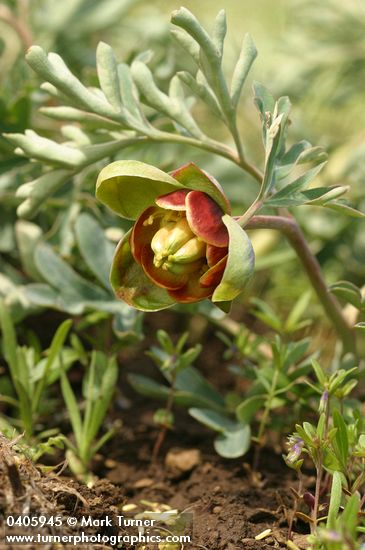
x=184, y=246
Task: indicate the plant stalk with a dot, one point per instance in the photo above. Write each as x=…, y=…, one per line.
x=291, y=230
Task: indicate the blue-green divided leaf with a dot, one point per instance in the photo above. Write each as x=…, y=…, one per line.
x=263, y=99
x=233, y=444
x=95, y=248
x=240, y=263
x=300, y=184
x=62, y=277
x=246, y=58
x=108, y=74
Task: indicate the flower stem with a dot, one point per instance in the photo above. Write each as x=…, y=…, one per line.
x=163, y=430
x=293, y=233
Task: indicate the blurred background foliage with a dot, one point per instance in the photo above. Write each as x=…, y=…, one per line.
x=314, y=52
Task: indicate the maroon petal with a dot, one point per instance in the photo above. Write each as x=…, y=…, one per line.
x=205, y=219
x=191, y=292
x=194, y=178
x=213, y=276
x=159, y=276
x=215, y=254
x=174, y=200
x=143, y=232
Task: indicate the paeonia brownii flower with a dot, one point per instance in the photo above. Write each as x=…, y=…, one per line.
x=184, y=246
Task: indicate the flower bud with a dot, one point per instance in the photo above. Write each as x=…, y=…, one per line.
x=169, y=238
x=193, y=250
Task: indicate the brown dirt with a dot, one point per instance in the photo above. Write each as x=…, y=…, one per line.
x=229, y=504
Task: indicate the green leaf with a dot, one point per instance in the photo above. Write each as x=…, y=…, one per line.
x=203, y=91
x=297, y=311
x=297, y=185
x=150, y=388
x=10, y=343
x=129, y=93
x=72, y=288
x=108, y=74
x=263, y=99
x=214, y=420
x=344, y=208
x=186, y=20
x=53, y=69
x=99, y=406
x=190, y=380
x=95, y=248
x=320, y=374
x=128, y=187
x=54, y=350
x=73, y=409
x=348, y=292
x=273, y=135
x=320, y=196
x=341, y=442
x=246, y=58
x=335, y=500
x=266, y=313
x=162, y=103
x=130, y=283
x=36, y=192
x=350, y=515
x=246, y=410
x=220, y=31
x=233, y=443
x=187, y=43
x=28, y=235
x=47, y=150
x=240, y=263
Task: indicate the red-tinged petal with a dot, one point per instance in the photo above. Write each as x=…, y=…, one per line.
x=161, y=277
x=215, y=254
x=213, y=276
x=143, y=232
x=174, y=200
x=130, y=283
x=192, y=177
x=205, y=219
x=191, y=292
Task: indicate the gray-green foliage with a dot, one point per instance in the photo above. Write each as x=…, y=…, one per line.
x=130, y=108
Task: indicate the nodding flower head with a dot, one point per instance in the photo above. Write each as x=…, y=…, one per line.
x=184, y=245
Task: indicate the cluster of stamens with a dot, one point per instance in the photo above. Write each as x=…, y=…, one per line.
x=176, y=248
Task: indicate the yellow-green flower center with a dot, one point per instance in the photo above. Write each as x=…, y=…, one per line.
x=176, y=248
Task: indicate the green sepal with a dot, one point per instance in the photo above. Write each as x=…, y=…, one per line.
x=130, y=283
x=129, y=186
x=192, y=177
x=240, y=263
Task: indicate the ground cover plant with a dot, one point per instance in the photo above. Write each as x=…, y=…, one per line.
x=181, y=337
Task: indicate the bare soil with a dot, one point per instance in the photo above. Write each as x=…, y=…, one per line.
x=230, y=504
